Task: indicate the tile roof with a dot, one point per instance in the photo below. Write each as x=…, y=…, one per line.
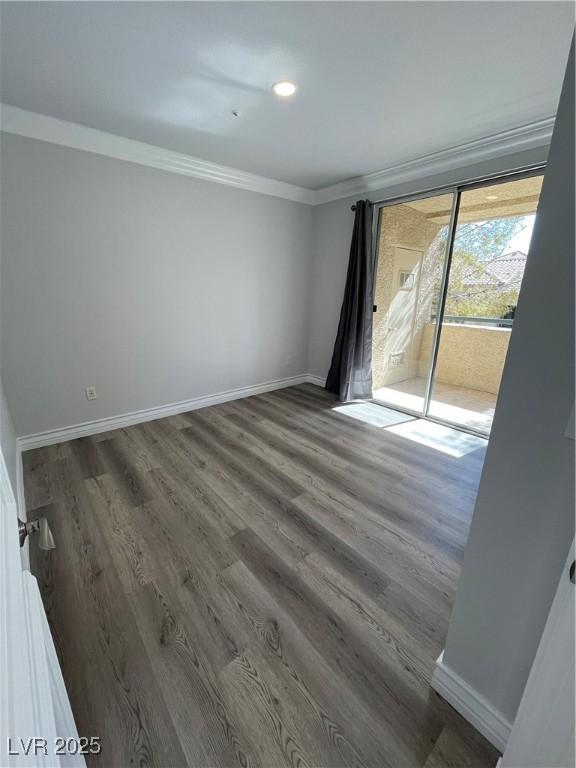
x=505, y=270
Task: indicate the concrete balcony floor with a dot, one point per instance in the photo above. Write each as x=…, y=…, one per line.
x=459, y=405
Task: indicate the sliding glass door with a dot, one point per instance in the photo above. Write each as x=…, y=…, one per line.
x=450, y=268
x=412, y=244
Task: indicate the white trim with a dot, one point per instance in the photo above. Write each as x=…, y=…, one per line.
x=21, y=506
x=26, y=687
x=61, y=709
x=543, y=730
x=471, y=705
x=41, y=698
x=318, y=380
x=20, y=500
x=44, y=128
x=53, y=436
x=6, y=490
x=530, y=136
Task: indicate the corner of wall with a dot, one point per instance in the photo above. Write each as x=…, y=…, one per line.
x=524, y=514
x=474, y=707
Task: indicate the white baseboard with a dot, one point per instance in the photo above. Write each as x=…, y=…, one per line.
x=471, y=705
x=53, y=436
x=318, y=380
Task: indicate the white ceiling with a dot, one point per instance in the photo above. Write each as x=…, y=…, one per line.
x=379, y=82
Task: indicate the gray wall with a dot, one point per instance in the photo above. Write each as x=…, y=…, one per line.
x=524, y=518
x=332, y=232
x=152, y=286
x=157, y=287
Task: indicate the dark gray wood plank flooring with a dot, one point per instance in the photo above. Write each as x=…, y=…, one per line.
x=261, y=583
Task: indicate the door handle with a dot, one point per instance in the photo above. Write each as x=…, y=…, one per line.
x=40, y=526
x=573, y=571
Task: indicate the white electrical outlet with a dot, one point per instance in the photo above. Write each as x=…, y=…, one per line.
x=91, y=392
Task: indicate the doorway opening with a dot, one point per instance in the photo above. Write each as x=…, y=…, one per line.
x=449, y=273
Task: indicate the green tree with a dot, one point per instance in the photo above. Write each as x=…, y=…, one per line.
x=472, y=291
x=487, y=239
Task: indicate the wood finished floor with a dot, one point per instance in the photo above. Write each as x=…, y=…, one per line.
x=266, y=583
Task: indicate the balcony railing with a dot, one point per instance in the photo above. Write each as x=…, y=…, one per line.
x=495, y=322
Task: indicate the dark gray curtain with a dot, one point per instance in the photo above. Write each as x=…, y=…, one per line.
x=350, y=374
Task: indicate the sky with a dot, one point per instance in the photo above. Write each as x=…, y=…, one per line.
x=521, y=241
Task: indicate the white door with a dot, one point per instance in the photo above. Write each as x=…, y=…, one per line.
x=36, y=722
x=543, y=732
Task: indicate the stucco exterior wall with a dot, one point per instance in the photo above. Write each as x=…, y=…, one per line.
x=402, y=226
x=468, y=356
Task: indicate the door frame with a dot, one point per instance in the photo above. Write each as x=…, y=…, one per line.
x=33, y=699
x=543, y=730
x=456, y=191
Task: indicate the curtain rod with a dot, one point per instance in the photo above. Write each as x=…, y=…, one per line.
x=353, y=207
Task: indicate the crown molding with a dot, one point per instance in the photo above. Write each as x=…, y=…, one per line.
x=525, y=137
x=44, y=128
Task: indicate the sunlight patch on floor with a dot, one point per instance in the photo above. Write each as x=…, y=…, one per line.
x=460, y=405
x=441, y=438
x=371, y=413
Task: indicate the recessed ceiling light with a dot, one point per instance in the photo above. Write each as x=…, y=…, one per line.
x=284, y=88
x=491, y=197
